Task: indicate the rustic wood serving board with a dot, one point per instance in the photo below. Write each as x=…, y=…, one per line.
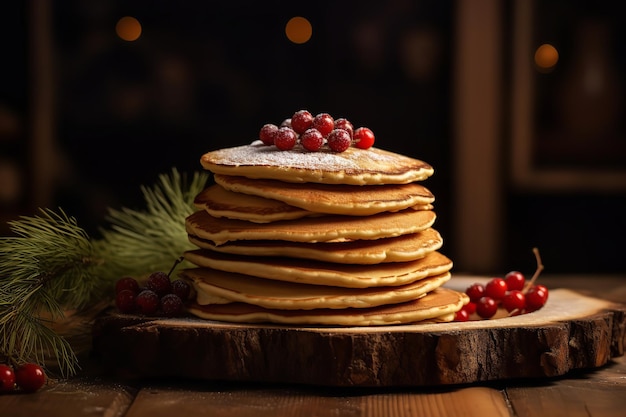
x=571, y=332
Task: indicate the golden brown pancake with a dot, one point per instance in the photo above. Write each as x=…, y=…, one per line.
x=438, y=305
x=394, y=249
x=353, y=200
x=322, y=273
x=354, y=166
x=219, y=202
x=211, y=284
x=311, y=229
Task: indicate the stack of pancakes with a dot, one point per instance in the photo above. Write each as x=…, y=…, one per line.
x=318, y=238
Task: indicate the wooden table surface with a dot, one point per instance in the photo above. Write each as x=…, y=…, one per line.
x=598, y=392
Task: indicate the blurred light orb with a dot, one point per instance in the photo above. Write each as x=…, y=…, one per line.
x=546, y=56
x=298, y=30
x=128, y=28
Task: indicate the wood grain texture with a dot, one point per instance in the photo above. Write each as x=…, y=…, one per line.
x=76, y=398
x=173, y=400
x=571, y=332
x=597, y=394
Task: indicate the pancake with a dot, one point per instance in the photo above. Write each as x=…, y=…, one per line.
x=437, y=305
x=322, y=273
x=354, y=166
x=211, y=284
x=219, y=202
x=311, y=229
x=394, y=249
x=354, y=200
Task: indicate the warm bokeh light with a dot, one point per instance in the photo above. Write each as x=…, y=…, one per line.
x=298, y=30
x=128, y=28
x=546, y=56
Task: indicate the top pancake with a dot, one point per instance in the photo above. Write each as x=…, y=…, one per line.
x=351, y=200
x=353, y=167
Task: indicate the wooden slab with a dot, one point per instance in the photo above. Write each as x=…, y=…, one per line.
x=571, y=332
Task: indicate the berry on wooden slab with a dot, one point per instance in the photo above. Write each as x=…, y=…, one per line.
x=511, y=293
x=147, y=302
x=496, y=288
x=475, y=292
x=160, y=283
x=515, y=280
x=161, y=295
x=486, y=307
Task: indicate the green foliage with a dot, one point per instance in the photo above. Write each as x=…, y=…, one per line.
x=50, y=265
x=46, y=267
x=140, y=242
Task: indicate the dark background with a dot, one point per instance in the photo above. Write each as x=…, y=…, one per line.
x=205, y=75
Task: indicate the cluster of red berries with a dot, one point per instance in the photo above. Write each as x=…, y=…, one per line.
x=28, y=377
x=313, y=131
x=511, y=293
x=160, y=296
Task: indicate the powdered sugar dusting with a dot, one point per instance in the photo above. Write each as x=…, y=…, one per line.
x=258, y=154
x=354, y=166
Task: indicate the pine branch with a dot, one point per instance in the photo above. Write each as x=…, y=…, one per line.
x=51, y=265
x=141, y=242
x=45, y=268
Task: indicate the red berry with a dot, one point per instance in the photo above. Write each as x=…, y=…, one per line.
x=125, y=301
x=470, y=307
x=29, y=377
x=312, y=140
x=345, y=125
x=7, y=379
x=181, y=288
x=160, y=283
x=267, y=133
x=285, y=138
x=486, y=307
x=363, y=138
x=475, y=292
x=147, y=302
x=339, y=140
x=324, y=122
x=301, y=121
x=461, y=315
x=536, y=297
x=171, y=305
x=127, y=283
x=496, y=289
x=514, y=300
x=514, y=280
